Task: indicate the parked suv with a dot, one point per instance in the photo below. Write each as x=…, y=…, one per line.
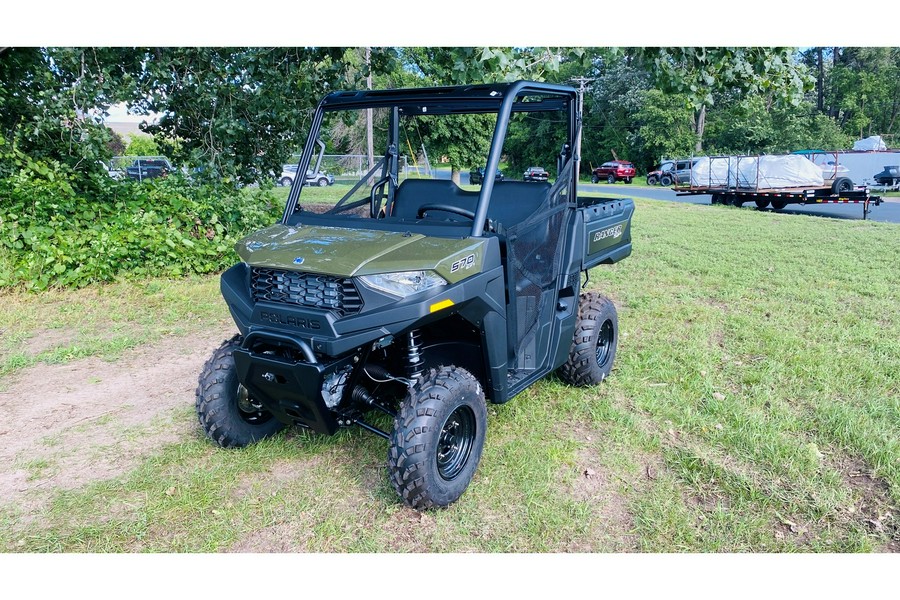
x=476, y=175
x=671, y=172
x=614, y=170
x=535, y=174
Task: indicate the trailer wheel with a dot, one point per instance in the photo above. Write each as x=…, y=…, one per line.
x=778, y=204
x=737, y=201
x=438, y=438
x=842, y=185
x=229, y=415
x=594, y=344
x=665, y=180
x=761, y=204
x=716, y=199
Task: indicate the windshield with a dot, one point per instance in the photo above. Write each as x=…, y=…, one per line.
x=417, y=145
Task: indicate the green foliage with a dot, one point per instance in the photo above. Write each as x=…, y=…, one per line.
x=115, y=146
x=237, y=112
x=749, y=125
x=57, y=236
x=46, y=99
x=465, y=65
x=463, y=139
x=664, y=129
x=699, y=72
x=142, y=145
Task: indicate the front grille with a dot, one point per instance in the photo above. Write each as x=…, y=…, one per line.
x=305, y=289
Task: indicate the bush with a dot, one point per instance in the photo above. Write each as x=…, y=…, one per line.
x=57, y=236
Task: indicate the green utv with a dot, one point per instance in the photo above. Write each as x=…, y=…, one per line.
x=416, y=297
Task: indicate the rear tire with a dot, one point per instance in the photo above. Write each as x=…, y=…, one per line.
x=323, y=182
x=628, y=180
x=227, y=413
x=842, y=185
x=665, y=180
x=438, y=438
x=285, y=181
x=594, y=179
x=594, y=345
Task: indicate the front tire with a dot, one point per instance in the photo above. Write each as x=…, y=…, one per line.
x=652, y=180
x=322, y=182
x=227, y=413
x=285, y=181
x=594, y=345
x=611, y=179
x=438, y=438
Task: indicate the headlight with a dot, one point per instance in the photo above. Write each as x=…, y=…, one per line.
x=404, y=283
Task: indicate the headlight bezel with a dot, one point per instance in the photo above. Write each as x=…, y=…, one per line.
x=402, y=284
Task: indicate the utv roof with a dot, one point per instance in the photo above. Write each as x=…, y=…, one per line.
x=481, y=98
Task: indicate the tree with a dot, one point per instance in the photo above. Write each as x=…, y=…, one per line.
x=142, y=145
x=663, y=128
x=52, y=99
x=700, y=73
x=240, y=112
x=864, y=91
x=466, y=144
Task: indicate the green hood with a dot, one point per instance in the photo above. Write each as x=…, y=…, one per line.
x=345, y=252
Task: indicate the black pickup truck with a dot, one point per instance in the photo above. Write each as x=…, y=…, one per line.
x=149, y=168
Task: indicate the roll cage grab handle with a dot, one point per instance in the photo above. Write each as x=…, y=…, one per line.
x=496, y=149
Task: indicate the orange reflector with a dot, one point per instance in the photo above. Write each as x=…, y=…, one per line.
x=440, y=305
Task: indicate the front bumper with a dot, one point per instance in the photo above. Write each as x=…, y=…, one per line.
x=290, y=390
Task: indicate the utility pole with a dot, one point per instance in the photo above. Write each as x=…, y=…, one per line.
x=582, y=84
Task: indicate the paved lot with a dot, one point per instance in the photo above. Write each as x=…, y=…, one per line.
x=888, y=212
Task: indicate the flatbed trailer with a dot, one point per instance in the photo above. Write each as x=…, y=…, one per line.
x=736, y=180
x=780, y=198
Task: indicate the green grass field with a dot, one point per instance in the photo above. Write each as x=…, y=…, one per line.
x=754, y=407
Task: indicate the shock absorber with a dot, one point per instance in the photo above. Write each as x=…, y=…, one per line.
x=414, y=360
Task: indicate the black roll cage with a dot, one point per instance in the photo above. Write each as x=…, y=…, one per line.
x=471, y=99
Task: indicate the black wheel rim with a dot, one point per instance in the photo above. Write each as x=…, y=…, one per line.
x=604, y=342
x=250, y=410
x=455, y=443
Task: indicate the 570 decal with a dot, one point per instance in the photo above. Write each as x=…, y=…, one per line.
x=465, y=263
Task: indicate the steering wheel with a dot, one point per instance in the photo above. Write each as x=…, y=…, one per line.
x=489, y=225
x=446, y=208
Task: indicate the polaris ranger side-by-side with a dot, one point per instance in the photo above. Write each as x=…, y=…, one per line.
x=414, y=297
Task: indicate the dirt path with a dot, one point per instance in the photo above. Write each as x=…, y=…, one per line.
x=67, y=425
